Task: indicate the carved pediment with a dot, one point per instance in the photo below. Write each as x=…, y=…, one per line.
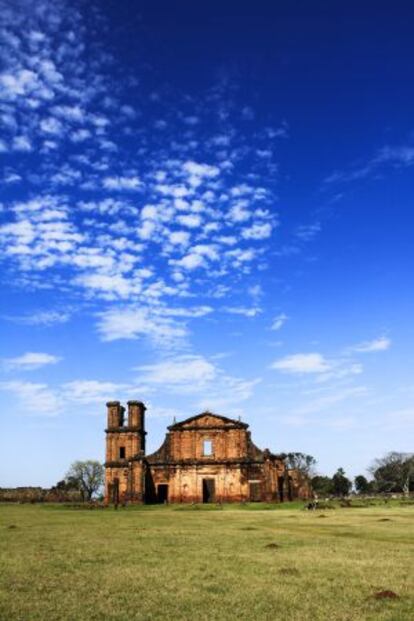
x=208, y=420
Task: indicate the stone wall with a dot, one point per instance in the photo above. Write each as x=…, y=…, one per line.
x=185, y=483
x=227, y=442
x=206, y=458
x=38, y=494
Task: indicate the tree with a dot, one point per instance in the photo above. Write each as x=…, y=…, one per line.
x=362, y=485
x=322, y=486
x=66, y=490
x=87, y=475
x=341, y=484
x=302, y=462
x=394, y=472
x=68, y=484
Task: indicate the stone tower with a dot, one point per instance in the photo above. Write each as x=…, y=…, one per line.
x=125, y=451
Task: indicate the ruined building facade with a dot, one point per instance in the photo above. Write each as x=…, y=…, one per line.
x=205, y=458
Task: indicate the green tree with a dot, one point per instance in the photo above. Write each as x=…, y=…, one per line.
x=87, y=475
x=341, y=484
x=68, y=484
x=302, y=462
x=322, y=485
x=394, y=472
x=362, y=485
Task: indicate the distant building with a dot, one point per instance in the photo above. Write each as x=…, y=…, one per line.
x=205, y=458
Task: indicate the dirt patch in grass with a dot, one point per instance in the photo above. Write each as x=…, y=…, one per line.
x=385, y=595
x=12, y=526
x=385, y=520
x=248, y=528
x=272, y=546
x=289, y=571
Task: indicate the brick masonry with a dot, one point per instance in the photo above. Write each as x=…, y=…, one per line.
x=205, y=458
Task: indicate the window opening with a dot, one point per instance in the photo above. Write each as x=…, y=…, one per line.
x=207, y=448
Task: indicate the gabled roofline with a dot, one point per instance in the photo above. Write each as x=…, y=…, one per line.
x=235, y=423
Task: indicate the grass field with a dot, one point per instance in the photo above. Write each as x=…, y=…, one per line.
x=175, y=563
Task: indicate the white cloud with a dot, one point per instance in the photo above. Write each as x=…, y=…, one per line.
x=21, y=83
x=340, y=369
x=11, y=176
x=51, y=126
x=206, y=250
x=241, y=310
x=258, y=231
x=30, y=360
x=131, y=323
x=395, y=156
x=43, y=318
x=187, y=369
x=129, y=111
x=402, y=154
x=177, y=191
x=239, y=212
x=92, y=391
x=227, y=240
x=146, y=230
x=226, y=392
x=180, y=238
x=307, y=232
x=149, y=212
x=326, y=401
x=256, y=291
x=190, y=261
x=197, y=172
x=279, y=321
x=325, y=370
x=108, y=283
x=242, y=256
x=34, y=398
x=22, y=143
x=80, y=135
x=190, y=220
x=302, y=363
x=23, y=231
x=122, y=183
x=69, y=113
x=193, y=374
x=191, y=311
x=380, y=344
x=191, y=120
x=221, y=140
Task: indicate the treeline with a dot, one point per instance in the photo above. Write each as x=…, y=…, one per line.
x=57, y=493
x=391, y=474
x=83, y=481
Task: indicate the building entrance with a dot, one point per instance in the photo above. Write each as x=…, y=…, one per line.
x=209, y=490
x=254, y=491
x=162, y=493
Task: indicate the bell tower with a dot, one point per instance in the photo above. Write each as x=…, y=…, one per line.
x=125, y=450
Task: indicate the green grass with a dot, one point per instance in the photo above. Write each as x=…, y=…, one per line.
x=175, y=563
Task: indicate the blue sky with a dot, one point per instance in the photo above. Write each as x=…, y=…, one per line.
x=206, y=206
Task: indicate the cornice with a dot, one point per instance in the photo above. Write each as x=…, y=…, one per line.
x=142, y=432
